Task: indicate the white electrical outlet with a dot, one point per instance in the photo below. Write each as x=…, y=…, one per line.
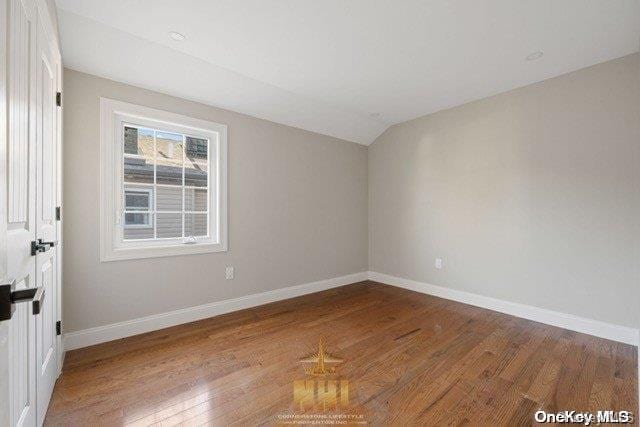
x=228, y=272
x=439, y=263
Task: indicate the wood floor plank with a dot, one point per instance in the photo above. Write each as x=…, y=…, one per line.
x=409, y=359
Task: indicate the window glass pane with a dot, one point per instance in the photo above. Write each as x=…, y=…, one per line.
x=195, y=225
x=137, y=226
x=136, y=218
x=196, y=160
x=169, y=198
x=197, y=148
x=137, y=200
x=168, y=225
x=138, y=159
x=195, y=199
x=177, y=169
x=169, y=155
x=130, y=140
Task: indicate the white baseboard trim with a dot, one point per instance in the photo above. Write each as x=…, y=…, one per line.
x=554, y=318
x=100, y=334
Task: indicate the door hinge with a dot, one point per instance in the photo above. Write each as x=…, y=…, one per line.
x=59, y=99
x=58, y=327
x=58, y=213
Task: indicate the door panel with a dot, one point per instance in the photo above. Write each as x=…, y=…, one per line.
x=46, y=340
x=22, y=349
x=32, y=65
x=46, y=132
x=19, y=89
x=21, y=206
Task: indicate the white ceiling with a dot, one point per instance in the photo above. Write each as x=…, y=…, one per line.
x=330, y=66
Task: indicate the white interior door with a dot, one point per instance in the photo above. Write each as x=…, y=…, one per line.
x=21, y=206
x=31, y=151
x=46, y=229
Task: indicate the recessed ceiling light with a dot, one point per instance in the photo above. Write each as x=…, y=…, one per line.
x=176, y=36
x=533, y=56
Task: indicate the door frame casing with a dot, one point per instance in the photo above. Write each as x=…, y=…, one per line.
x=59, y=228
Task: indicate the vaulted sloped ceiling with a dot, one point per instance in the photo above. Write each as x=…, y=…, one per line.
x=345, y=68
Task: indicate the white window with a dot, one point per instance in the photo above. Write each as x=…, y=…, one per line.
x=163, y=181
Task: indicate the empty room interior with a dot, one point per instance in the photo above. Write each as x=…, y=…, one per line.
x=337, y=212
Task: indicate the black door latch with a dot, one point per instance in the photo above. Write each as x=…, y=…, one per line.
x=40, y=246
x=9, y=297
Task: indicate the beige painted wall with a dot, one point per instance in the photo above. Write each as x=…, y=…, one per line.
x=531, y=196
x=297, y=213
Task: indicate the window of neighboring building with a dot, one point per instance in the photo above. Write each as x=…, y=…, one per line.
x=131, y=140
x=165, y=177
x=138, y=208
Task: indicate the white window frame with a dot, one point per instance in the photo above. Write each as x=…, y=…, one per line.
x=149, y=192
x=113, y=116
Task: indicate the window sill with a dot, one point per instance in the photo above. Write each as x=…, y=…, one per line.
x=121, y=254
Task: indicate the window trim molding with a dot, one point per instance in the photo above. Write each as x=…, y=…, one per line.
x=110, y=111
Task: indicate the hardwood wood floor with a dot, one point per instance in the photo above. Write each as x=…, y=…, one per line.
x=409, y=359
